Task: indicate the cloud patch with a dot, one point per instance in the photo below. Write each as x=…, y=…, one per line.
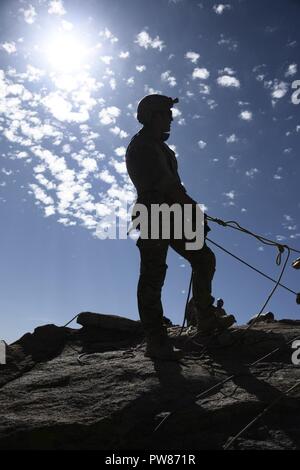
x=143, y=39
x=228, y=81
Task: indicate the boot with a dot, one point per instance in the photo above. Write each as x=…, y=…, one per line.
x=213, y=319
x=220, y=311
x=159, y=347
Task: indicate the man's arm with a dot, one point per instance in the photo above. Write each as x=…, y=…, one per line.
x=149, y=170
x=178, y=194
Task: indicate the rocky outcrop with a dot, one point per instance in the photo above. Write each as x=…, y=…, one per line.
x=92, y=388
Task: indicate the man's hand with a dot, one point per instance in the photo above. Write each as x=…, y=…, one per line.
x=178, y=195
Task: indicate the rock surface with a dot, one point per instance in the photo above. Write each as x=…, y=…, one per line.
x=92, y=388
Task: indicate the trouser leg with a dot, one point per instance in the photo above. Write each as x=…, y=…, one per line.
x=203, y=263
x=153, y=269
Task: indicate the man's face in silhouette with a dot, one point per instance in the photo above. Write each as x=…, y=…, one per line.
x=162, y=122
x=165, y=120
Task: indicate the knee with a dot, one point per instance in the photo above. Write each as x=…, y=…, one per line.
x=204, y=259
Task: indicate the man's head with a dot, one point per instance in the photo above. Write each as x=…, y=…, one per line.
x=154, y=111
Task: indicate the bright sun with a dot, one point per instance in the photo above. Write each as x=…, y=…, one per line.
x=66, y=53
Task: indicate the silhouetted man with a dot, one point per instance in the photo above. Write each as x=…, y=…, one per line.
x=152, y=167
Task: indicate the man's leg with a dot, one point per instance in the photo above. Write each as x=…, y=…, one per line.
x=203, y=263
x=153, y=269
x=152, y=275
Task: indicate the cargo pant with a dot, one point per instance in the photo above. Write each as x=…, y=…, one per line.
x=153, y=267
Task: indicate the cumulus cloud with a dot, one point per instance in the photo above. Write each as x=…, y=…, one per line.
x=292, y=70
x=120, y=167
x=168, y=78
x=226, y=71
x=175, y=114
x=289, y=223
x=246, y=115
x=109, y=115
x=106, y=59
x=279, y=89
x=6, y=172
x=141, y=68
x=228, y=81
x=231, y=139
x=124, y=55
x=49, y=210
x=230, y=43
x=107, y=34
x=201, y=73
x=119, y=132
x=61, y=109
x=204, y=89
x=220, y=8
x=9, y=47
x=278, y=174
x=107, y=177
x=89, y=164
x=33, y=74
x=252, y=172
x=113, y=83
x=56, y=7
x=40, y=194
x=211, y=104
x=29, y=14
x=202, y=144
x=232, y=160
x=120, y=151
x=130, y=81
x=143, y=39
x=230, y=194
x=192, y=56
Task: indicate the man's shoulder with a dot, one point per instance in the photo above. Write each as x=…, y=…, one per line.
x=140, y=141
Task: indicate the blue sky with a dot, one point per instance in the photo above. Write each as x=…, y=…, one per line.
x=71, y=75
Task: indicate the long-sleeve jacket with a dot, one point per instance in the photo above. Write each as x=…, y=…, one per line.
x=152, y=168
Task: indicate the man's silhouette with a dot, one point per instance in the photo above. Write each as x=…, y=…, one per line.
x=152, y=167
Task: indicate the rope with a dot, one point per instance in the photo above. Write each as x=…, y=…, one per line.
x=244, y=332
x=272, y=292
x=250, y=266
x=71, y=320
x=281, y=248
x=236, y=226
x=222, y=382
x=271, y=405
x=186, y=304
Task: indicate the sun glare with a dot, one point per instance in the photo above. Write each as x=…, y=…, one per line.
x=66, y=53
